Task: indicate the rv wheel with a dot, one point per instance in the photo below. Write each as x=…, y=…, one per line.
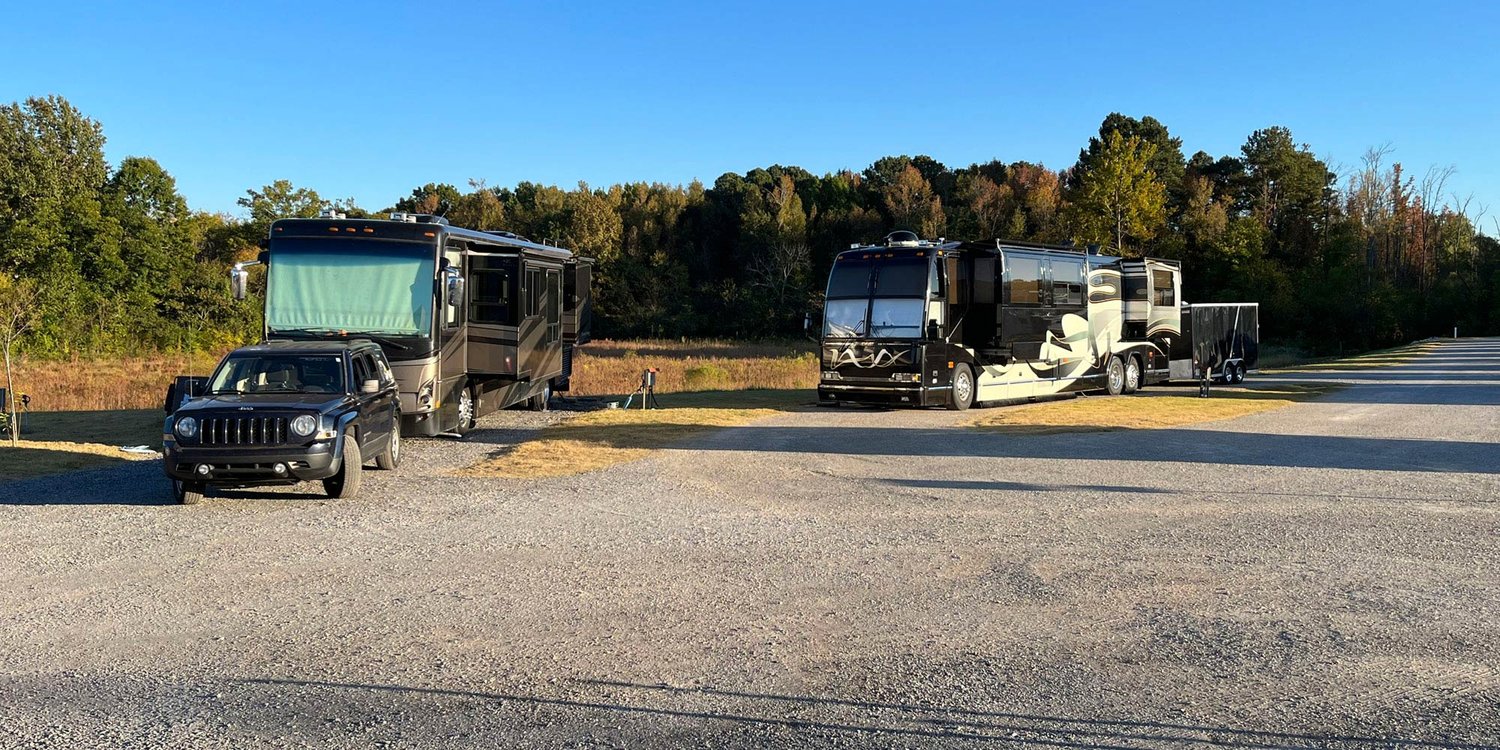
x=963, y=388
x=1114, y=376
x=465, y=411
x=1132, y=374
x=540, y=401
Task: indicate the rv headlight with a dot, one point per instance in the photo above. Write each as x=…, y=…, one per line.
x=304, y=425
x=187, y=427
x=424, y=396
x=832, y=375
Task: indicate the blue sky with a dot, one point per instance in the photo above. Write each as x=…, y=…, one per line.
x=368, y=101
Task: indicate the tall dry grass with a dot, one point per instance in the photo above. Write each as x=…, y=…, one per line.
x=615, y=367
x=100, y=384
x=601, y=368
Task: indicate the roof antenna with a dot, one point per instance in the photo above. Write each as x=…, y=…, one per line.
x=443, y=207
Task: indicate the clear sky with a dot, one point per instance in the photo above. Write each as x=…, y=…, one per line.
x=370, y=100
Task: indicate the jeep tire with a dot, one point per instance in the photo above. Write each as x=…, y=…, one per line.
x=345, y=484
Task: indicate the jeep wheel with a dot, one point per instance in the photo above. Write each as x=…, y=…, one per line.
x=391, y=458
x=345, y=484
x=187, y=493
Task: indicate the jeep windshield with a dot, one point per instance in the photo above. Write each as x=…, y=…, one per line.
x=278, y=373
x=876, y=298
x=349, y=285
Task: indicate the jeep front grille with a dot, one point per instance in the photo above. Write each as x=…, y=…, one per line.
x=244, y=431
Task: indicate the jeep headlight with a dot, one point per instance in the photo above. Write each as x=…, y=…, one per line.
x=304, y=425
x=186, y=427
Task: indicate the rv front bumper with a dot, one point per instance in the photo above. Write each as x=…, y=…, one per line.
x=884, y=395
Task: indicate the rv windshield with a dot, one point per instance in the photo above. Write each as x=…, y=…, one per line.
x=352, y=285
x=881, y=298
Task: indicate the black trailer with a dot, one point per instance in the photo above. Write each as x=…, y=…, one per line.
x=1222, y=340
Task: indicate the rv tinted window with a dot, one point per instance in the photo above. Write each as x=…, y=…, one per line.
x=1165, y=291
x=1023, y=277
x=849, y=278
x=1135, y=287
x=492, y=290
x=902, y=277
x=1067, y=282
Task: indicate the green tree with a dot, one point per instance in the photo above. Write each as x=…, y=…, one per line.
x=1117, y=195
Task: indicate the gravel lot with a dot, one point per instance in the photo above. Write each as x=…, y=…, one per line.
x=1326, y=575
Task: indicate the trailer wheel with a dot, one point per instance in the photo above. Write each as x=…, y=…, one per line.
x=1114, y=376
x=466, y=417
x=345, y=484
x=541, y=401
x=187, y=493
x=1237, y=375
x=1132, y=374
x=963, y=389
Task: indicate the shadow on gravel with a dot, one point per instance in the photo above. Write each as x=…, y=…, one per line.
x=1161, y=445
x=927, y=724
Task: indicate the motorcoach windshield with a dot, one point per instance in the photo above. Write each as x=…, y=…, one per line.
x=350, y=285
x=878, y=298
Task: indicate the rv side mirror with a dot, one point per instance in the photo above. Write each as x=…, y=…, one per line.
x=370, y=387
x=239, y=282
x=455, y=288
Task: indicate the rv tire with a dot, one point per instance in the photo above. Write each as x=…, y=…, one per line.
x=542, y=400
x=1114, y=376
x=1132, y=374
x=466, y=406
x=962, y=395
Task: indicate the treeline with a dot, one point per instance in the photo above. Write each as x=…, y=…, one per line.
x=1373, y=258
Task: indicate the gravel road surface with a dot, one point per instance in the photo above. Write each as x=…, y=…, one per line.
x=1325, y=575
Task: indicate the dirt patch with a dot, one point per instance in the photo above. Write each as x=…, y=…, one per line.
x=598, y=440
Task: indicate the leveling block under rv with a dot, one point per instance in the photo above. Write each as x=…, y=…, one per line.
x=953, y=324
x=471, y=321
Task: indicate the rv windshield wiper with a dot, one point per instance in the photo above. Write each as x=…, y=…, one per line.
x=342, y=333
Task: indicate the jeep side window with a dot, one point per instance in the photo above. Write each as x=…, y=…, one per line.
x=361, y=371
x=384, y=368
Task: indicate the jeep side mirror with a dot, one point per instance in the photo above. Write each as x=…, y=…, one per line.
x=369, y=387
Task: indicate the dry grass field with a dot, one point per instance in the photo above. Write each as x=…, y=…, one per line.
x=1154, y=408
x=604, y=368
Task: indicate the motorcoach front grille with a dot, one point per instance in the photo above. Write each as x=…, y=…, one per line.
x=244, y=431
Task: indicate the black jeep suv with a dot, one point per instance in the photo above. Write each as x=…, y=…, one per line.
x=284, y=412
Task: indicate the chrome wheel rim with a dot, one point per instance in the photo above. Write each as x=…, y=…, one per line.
x=1132, y=375
x=1116, y=377
x=963, y=388
x=465, y=409
x=396, y=440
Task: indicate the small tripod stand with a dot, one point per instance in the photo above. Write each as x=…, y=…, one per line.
x=647, y=391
